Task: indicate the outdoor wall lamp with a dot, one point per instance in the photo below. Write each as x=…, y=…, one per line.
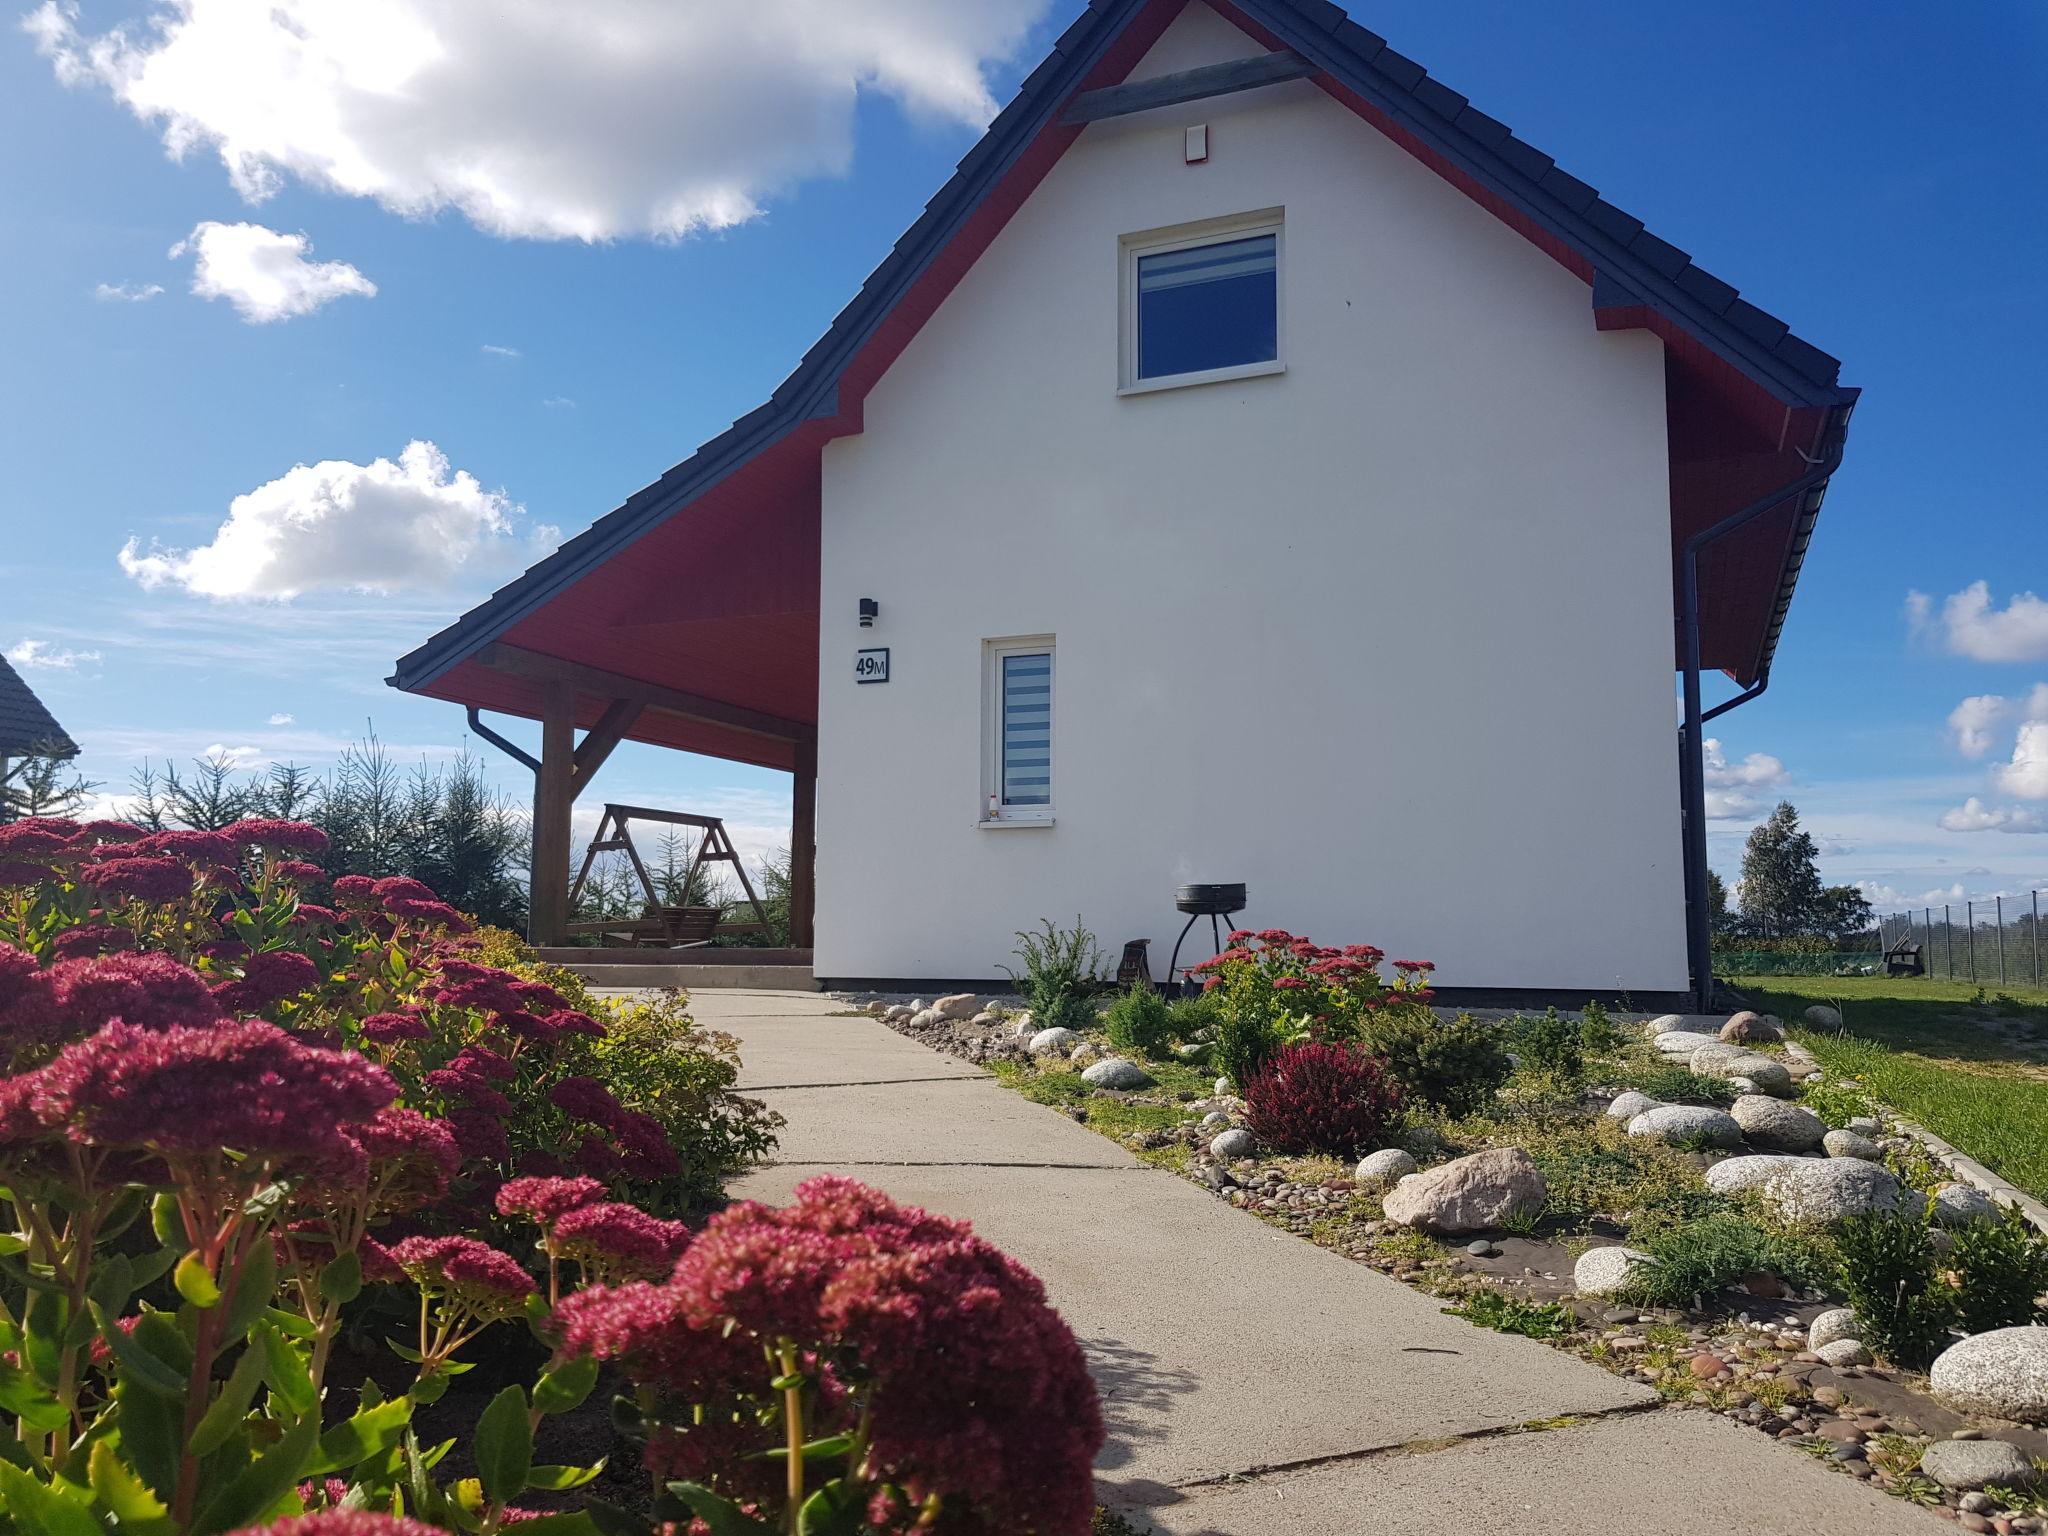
x=869, y=608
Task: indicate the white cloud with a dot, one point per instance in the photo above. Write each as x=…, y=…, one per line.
x=263, y=273
x=1971, y=626
x=2027, y=774
x=126, y=293
x=1880, y=895
x=1972, y=720
x=379, y=527
x=536, y=119
x=559, y=403
x=1973, y=815
x=281, y=718
x=507, y=352
x=40, y=653
x=1729, y=785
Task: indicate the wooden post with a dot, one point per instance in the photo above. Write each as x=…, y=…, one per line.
x=803, y=846
x=553, y=794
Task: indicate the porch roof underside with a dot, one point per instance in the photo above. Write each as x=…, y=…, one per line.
x=707, y=580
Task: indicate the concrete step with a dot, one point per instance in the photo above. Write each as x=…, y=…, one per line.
x=693, y=978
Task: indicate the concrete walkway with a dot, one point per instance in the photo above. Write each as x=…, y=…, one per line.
x=1254, y=1383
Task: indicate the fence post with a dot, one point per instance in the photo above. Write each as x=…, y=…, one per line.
x=2037, y=939
x=1970, y=936
x=2000, y=899
x=1948, y=941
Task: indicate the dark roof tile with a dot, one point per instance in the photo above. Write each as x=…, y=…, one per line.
x=1612, y=222
x=1399, y=68
x=1568, y=189
x=1707, y=288
x=1753, y=322
x=1490, y=131
x=26, y=727
x=1439, y=98
x=1363, y=41
x=1661, y=256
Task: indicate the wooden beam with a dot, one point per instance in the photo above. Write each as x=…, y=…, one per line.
x=553, y=793
x=600, y=739
x=803, y=847
x=1188, y=85
x=674, y=701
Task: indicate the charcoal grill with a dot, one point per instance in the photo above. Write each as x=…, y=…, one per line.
x=1210, y=901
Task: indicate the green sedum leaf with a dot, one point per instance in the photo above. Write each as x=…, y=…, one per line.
x=566, y=1386
x=504, y=1446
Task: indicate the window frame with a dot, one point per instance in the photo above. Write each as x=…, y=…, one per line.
x=993, y=653
x=1182, y=237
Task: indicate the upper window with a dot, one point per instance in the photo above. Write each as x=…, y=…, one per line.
x=1019, y=705
x=1202, y=307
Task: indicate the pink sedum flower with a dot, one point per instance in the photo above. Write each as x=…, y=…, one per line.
x=393, y=1028
x=149, y=990
x=269, y=977
x=341, y=1522
x=619, y=1241
x=277, y=836
x=140, y=877
x=546, y=1200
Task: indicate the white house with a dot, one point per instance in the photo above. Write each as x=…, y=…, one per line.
x=1256, y=465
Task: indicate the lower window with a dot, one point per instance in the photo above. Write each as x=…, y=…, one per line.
x=1018, y=703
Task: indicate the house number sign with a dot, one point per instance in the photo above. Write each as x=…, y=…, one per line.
x=871, y=666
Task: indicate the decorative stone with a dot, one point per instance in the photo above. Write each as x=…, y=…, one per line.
x=1808, y=1189
x=1777, y=1126
x=1958, y=1204
x=1234, y=1143
x=1849, y=1144
x=1765, y=1073
x=957, y=1005
x=1627, y=1106
x=901, y=1013
x=1680, y=1044
x=1821, y=1016
x=1835, y=1323
x=1054, y=1042
x=1480, y=1248
x=1471, y=1194
x=924, y=1018
x=1664, y=1024
x=1383, y=1169
x=1118, y=1075
x=879, y=1008
x=1843, y=1352
x=2003, y=1373
x=1222, y=1085
x=1604, y=1271
x=986, y=1020
x=1674, y=1123
x=1748, y=1028
x=1866, y=1125
x=1971, y=1464
x=1022, y=1027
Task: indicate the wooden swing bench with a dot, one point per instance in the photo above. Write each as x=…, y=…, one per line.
x=1903, y=959
x=659, y=926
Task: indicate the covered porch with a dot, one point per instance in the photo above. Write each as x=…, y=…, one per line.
x=704, y=639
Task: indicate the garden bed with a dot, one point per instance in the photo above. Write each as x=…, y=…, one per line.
x=1724, y=1317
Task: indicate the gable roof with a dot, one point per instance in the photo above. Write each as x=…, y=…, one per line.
x=26, y=728
x=1765, y=379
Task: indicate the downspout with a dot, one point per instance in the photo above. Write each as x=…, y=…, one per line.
x=1692, y=759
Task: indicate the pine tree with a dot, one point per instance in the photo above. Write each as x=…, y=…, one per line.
x=1781, y=889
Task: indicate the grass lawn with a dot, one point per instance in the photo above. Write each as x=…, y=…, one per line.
x=1970, y=1065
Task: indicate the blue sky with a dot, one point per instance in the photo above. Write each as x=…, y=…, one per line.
x=1861, y=171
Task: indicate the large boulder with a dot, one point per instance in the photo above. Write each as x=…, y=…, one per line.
x=1053, y=1042
x=1663, y=1024
x=1957, y=1204
x=1849, y=1144
x=1831, y=1325
x=2003, y=1373
x=1809, y=1189
x=1766, y=1073
x=1748, y=1028
x=957, y=1005
x=1821, y=1016
x=1777, y=1126
x=1627, y=1106
x=1963, y=1465
x=1604, y=1271
x=1117, y=1074
x=1679, y=1044
x=1233, y=1144
x=1675, y=1123
x=1471, y=1194
x=1383, y=1169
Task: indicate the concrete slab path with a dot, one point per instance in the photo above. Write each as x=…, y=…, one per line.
x=1254, y=1383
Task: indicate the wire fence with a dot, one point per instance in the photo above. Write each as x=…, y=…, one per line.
x=1997, y=942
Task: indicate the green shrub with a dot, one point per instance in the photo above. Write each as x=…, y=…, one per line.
x=1456, y=1066
x=1836, y=1102
x=1594, y=1168
x=1675, y=1085
x=1140, y=1022
x=2001, y=1273
x=1244, y=1042
x=1700, y=1258
x=1510, y=1314
x=1059, y=976
x=1195, y=1016
x=1551, y=1044
x=1888, y=1276
x=1598, y=1032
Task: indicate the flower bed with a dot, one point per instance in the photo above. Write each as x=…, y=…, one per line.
x=246, y=1134
x=1692, y=1213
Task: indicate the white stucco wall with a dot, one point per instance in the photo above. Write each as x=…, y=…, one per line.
x=1387, y=636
